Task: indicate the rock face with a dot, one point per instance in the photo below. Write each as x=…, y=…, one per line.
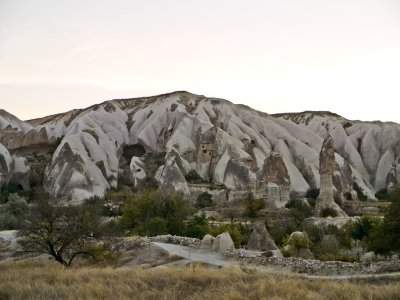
x=327, y=167
x=222, y=243
x=207, y=242
x=274, y=176
x=232, y=146
x=260, y=239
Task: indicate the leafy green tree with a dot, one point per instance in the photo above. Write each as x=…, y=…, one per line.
x=193, y=176
x=198, y=226
x=204, y=200
x=252, y=205
x=328, y=212
x=297, y=241
x=153, y=227
x=7, y=190
x=14, y=212
x=388, y=235
x=299, y=211
x=147, y=205
x=64, y=233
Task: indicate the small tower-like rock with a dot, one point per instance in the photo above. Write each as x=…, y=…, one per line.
x=326, y=170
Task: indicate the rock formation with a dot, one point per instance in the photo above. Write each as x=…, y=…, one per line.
x=275, y=178
x=207, y=242
x=222, y=243
x=260, y=239
x=325, y=198
x=228, y=145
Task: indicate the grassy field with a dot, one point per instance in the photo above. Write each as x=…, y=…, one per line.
x=40, y=280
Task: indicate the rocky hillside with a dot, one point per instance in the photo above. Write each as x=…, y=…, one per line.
x=166, y=136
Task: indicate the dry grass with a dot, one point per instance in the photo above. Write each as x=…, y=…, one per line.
x=43, y=280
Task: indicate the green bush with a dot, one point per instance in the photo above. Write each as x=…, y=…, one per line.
x=279, y=231
x=197, y=226
x=299, y=211
x=297, y=242
x=7, y=190
x=328, y=212
x=14, y=212
x=252, y=205
x=154, y=227
x=193, y=176
x=312, y=193
x=147, y=205
x=382, y=194
x=204, y=200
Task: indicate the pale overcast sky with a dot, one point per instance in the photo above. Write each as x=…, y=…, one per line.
x=275, y=56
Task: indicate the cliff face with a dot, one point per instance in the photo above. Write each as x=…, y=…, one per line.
x=166, y=136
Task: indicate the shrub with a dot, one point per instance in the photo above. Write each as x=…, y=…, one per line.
x=193, y=176
x=7, y=190
x=14, y=212
x=153, y=227
x=197, y=227
x=312, y=193
x=382, y=194
x=328, y=212
x=64, y=232
x=279, y=232
x=252, y=205
x=204, y=200
x=298, y=241
x=146, y=205
x=299, y=211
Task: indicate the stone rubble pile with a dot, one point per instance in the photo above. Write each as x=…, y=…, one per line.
x=316, y=267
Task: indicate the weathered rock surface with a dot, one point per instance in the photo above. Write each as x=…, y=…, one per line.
x=260, y=239
x=222, y=243
x=207, y=242
x=325, y=198
x=226, y=144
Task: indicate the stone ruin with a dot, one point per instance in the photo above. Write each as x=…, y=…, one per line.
x=326, y=169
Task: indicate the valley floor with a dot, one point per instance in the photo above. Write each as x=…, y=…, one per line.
x=33, y=279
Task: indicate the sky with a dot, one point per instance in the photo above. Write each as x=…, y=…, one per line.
x=275, y=56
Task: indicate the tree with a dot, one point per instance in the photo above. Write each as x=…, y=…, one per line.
x=64, y=232
x=298, y=241
x=299, y=211
x=389, y=233
x=14, y=212
x=193, y=177
x=198, y=226
x=204, y=200
x=252, y=205
x=143, y=207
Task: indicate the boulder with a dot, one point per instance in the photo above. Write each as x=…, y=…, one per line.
x=260, y=239
x=207, y=242
x=222, y=243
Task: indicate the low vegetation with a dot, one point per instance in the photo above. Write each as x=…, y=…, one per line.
x=43, y=280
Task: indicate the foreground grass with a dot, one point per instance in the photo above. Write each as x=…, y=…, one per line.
x=39, y=280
